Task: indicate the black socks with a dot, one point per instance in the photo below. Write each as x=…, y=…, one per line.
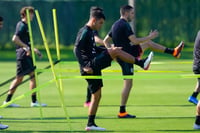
x=197, y=121
x=34, y=99
x=139, y=62
x=91, y=120
x=122, y=109
x=169, y=51
x=195, y=94
x=9, y=97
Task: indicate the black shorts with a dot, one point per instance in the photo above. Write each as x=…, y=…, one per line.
x=136, y=51
x=100, y=62
x=25, y=66
x=196, y=70
x=128, y=69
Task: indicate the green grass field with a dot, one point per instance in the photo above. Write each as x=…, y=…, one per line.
x=158, y=99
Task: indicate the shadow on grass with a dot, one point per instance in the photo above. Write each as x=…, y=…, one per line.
x=64, y=119
x=78, y=106
x=81, y=131
x=181, y=131
x=54, y=131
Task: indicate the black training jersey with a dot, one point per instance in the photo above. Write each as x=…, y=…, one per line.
x=96, y=33
x=196, y=52
x=120, y=32
x=22, y=33
x=85, y=46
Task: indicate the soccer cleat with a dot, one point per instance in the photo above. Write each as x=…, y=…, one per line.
x=94, y=128
x=36, y=104
x=86, y=104
x=3, y=126
x=193, y=100
x=147, y=61
x=125, y=115
x=196, y=126
x=178, y=49
x=12, y=105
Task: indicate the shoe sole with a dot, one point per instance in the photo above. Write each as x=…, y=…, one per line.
x=150, y=58
x=39, y=106
x=89, y=129
x=196, y=127
x=126, y=117
x=193, y=102
x=3, y=128
x=179, y=52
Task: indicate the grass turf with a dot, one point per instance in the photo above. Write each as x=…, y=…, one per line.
x=158, y=99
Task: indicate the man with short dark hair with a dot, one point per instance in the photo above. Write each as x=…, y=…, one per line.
x=99, y=41
x=122, y=36
x=23, y=57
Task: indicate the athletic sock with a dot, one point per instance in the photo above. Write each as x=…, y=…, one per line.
x=34, y=99
x=139, y=62
x=197, y=121
x=169, y=51
x=195, y=94
x=9, y=97
x=122, y=109
x=91, y=120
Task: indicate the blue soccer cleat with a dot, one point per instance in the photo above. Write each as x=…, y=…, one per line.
x=193, y=100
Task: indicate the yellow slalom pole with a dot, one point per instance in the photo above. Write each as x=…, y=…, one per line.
x=56, y=34
x=33, y=57
x=52, y=66
x=26, y=94
x=58, y=55
x=57, y=45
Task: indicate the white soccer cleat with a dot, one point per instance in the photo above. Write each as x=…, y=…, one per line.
x=36, y=104
x=147, y=62
x=196, y=126
x=12, y=105
x=3, y=126
x=94, y=128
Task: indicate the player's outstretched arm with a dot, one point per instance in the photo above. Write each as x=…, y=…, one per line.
x=135, y=40
x=107, y=41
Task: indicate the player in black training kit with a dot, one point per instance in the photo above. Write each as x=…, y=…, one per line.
x=122, y=36
x=23, y=58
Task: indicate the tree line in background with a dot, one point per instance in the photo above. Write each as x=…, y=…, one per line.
x=175, y=19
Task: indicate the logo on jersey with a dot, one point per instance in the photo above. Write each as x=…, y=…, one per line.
x=94, y=44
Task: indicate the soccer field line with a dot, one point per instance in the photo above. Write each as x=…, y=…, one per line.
x=113, y=77
x=70, y=70
x=171, y=62
x=153, y=62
